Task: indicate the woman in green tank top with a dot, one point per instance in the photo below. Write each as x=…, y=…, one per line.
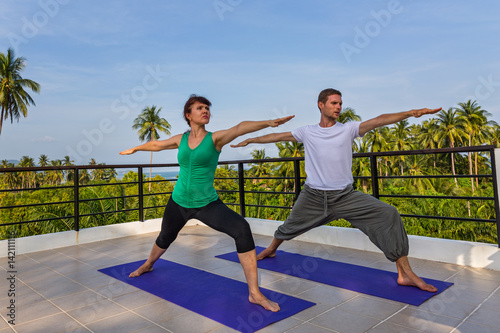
x=194, y=195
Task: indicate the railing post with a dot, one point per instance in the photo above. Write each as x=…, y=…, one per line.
x=241, y=188
x=76, y=195
x=141, y=195
x=495, y=157
x=374, y=172
x=296, y=170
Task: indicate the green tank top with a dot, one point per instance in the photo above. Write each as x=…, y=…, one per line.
x=195, y=185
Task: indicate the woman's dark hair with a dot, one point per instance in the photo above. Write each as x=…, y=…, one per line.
x=193, y=99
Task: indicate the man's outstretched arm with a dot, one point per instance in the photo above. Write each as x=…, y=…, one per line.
x=269, y=138
x=392, y=118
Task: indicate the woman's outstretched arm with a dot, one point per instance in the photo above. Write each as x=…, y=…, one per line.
x=221, y=138
x=170, y=143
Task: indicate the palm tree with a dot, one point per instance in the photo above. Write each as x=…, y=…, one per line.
x=286, y=169
x=14, y=100
x=400, y=140
x=415, y=169
x=43, y=161
x=377, y=140
x=426, y=138
x=451, y=132
x=348, y=114
x=361, y=166
x=69, y=173
x=84, y=176
x=149, y=123
x=259, y=169
x=476, y=122
x=56, y=176
x=9, y=178
x=494, y=136
x=27, y=162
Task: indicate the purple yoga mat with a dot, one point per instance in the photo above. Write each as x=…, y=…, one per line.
x=361, y=279
x=216, y=297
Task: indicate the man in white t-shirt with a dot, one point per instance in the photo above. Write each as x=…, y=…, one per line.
x=328, y=193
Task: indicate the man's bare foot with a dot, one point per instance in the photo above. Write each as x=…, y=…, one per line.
x=406, y=276
x=261, y=300
x=145, y=268
x=267, y=253
x=413, y=280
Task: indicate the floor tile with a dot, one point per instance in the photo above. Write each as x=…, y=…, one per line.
x=122, y=323
x=424, y=321
x=190, y=322
x=344, y=321
x=372, y=307
x=53, y=324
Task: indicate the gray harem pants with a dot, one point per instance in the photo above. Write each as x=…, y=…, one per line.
x=380, y=221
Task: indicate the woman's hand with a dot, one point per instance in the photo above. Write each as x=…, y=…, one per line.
x=279, y=121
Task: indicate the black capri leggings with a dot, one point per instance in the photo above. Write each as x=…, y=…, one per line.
x=216, y=215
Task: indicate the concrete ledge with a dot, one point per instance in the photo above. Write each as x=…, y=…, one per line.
x=470, y=254
x=465, y=253
x=69, y=238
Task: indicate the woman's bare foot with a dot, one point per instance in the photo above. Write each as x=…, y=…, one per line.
x=266, y=253
x=145, y=268
x=261, y=300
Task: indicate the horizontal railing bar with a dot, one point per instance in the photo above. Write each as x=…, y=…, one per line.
x=36, y=188
x=281, y=207
x=433, y=197
x=109, y=212
x=150, y=207
x=268, y=192
x=435, y=176
x=110, y=198
x=37, y=204
x=465, y=219
x=41, y=220
x=159, y=193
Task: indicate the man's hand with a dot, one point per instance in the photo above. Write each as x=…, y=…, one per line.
x=277, y=122
x=241, y=144
x=420, y=112
x=128, y=151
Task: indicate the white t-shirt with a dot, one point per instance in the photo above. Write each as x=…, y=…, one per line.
x=328, y=154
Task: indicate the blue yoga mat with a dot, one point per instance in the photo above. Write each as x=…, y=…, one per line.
x=216, y=297
x=361, y=279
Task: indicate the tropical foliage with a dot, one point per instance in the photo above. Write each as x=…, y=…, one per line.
x=270, y=187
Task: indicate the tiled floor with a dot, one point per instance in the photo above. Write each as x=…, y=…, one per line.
x=62, y=291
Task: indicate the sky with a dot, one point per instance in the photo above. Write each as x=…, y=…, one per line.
x=100, y=63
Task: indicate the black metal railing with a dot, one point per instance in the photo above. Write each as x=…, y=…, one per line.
x=374, y=179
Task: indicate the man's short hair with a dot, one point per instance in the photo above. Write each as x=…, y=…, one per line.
x=323, y=95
